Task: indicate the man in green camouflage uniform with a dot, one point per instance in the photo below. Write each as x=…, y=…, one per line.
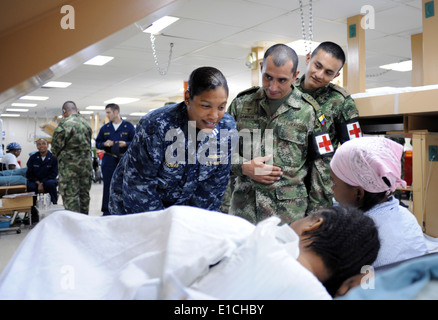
x=71, y=145
x=274, y=123
x=337, y=117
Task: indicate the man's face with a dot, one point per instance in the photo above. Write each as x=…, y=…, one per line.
x=277, y=81
x=110, y=114
x=321, y=69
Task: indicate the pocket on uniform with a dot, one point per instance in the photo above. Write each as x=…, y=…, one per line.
x=291, y=192
x=291, y=145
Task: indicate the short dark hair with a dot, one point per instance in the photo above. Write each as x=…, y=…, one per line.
x=206, y=78
x=69, y=106
x=281, y=54
x=332, y=48
x=346, y=241
x=113, y=107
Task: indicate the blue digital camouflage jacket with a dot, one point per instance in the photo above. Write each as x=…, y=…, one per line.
x=170, y=162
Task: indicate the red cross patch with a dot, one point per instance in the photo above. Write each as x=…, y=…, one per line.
x=324, y=144
x=354, y=130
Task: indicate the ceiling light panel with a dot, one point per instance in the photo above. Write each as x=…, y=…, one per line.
x=57, y=84
x=37, y=98
x=99, y=60
x=97, y=108
x=300, y=46
x=27, y=105
x=121, y=100
x=9, y=115
x=17, y=110
x=160, y=24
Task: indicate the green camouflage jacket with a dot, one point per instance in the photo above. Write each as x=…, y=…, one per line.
x=285, y=134
x=338, y=116
x=72, y=139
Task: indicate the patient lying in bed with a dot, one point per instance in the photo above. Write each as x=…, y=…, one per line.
x=188, y=253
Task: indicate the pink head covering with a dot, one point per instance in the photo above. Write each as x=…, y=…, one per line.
x=363, y=162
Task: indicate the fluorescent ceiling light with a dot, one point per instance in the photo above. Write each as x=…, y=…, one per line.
x=300, y=46
x=17, y=110
x=29, y=105
x=34, y=98
x=138, y=114
x=95, y=108
x=399, y=66
x=87, y=112
x=11, y=115
x=121, y=100
x=99, y=60
x=160, y=24
x=57, y=84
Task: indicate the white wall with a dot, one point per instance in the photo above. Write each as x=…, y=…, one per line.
x=23, y=130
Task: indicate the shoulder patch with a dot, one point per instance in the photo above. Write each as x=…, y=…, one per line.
x=339, y=89
x=312, y=101
x=248, y=91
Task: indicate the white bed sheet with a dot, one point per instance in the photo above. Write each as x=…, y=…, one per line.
x=151, y=256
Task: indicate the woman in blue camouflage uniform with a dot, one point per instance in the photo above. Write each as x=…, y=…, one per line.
x=181, y=153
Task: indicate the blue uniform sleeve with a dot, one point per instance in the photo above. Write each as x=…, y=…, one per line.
x=141, y=166
x=100, y=139
x=30, y=175
x=131, y=134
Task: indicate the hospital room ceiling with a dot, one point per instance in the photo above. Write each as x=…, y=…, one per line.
x=221, y=34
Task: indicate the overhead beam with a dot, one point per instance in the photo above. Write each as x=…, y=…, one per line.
x=31, y=50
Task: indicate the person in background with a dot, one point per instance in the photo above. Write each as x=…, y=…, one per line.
x=71, y=145
x=114, y=138
x=337, y=118
x=181, y=153
x=365, y=172
x=13, y=151
x=41, y=174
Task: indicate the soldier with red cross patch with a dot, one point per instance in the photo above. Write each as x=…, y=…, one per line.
x=337, y=118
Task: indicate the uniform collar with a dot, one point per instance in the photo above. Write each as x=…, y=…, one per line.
x=315, y=93
x=286, y=106
x=48, y=154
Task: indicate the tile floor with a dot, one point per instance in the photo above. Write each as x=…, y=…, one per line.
x=10, y=240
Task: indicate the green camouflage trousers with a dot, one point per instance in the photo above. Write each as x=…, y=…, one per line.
x=75, y=178
x=255, y=202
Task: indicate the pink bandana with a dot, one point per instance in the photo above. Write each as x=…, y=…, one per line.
x=365, y=161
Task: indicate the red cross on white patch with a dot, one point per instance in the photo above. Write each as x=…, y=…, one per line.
x=324, y=144
x=354, y=130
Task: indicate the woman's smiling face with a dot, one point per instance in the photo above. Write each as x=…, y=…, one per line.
x=207, y=108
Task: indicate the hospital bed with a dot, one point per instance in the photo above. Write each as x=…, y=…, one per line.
x=157, y=255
